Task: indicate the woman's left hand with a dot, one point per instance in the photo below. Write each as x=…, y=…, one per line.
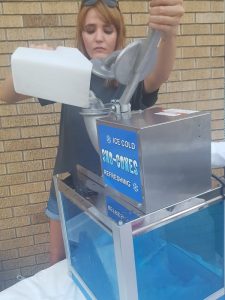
x=165, y=15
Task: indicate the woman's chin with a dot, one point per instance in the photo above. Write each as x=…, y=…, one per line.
x=100, y=55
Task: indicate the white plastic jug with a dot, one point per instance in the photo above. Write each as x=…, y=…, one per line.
x=61, y=75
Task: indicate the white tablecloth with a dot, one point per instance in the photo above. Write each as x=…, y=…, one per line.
x=53, y=283
x=218, y=154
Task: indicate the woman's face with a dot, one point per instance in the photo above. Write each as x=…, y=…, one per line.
x=99, y=38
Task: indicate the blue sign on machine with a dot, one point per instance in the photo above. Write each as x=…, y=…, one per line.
x=120, y=160
x=118, y=212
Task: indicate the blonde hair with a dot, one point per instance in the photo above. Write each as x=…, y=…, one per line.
x=109, y=15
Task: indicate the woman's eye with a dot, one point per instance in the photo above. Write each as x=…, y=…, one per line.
x=89, y=29
x=108, y=29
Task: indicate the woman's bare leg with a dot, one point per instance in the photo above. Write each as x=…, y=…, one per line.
x=57, y=251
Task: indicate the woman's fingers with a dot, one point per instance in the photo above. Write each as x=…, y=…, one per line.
x=165, y=20
x=165, y=15
x=41, y=46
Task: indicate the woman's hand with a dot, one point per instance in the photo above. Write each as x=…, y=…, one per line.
x=165, y=16
x=41, y=46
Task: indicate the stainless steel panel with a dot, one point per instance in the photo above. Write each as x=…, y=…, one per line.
x=176, y=161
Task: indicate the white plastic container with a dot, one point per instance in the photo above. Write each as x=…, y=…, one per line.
x=62, y=75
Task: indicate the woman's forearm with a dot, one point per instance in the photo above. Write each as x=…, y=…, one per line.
x=164, y=16
x=165, y=60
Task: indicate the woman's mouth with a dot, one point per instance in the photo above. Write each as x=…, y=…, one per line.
x=99, y=49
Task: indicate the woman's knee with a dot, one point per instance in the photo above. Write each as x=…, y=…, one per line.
x=57, y=250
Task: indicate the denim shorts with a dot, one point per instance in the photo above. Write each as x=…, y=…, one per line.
x=52, y=210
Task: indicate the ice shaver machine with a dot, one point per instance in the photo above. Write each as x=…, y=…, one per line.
x=150, y=227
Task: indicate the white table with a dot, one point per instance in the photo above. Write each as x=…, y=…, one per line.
x=53, y=283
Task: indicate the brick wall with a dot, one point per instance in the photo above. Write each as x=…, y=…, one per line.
x=28, y=132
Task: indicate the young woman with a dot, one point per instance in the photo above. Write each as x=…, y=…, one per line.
x=100, y=31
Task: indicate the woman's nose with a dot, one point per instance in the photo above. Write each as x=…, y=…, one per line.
x=99, y=35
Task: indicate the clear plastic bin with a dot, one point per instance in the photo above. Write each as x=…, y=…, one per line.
x=178, y=256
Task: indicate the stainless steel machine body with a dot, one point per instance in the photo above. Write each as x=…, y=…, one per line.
x=150, y=227
x=156, y=158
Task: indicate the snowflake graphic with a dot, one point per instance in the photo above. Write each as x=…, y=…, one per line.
x=135, y=187
x=108, y=139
